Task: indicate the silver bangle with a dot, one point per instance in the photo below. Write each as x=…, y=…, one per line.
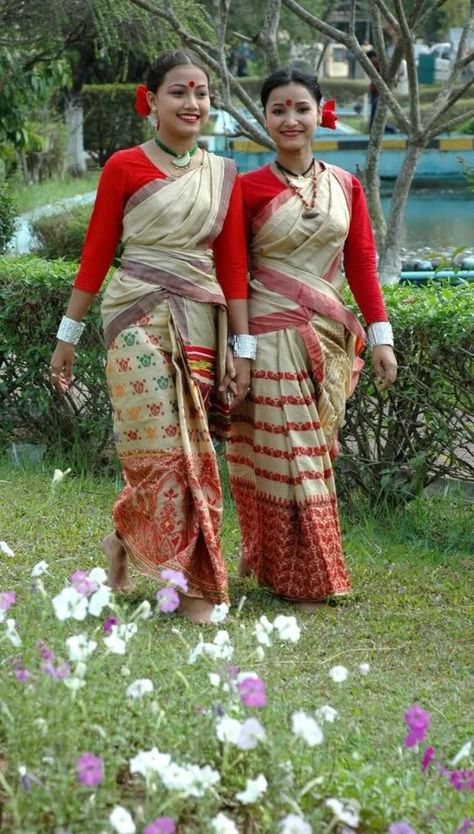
x=380, y=333
x=243, y=346
x=70, y=330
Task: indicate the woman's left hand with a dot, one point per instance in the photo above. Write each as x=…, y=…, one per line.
x=236, y=383
x=385, y=366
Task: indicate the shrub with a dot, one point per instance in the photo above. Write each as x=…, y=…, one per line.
x=8, y=216
x=110, y=120
x=61, y=235
x=33, y=297
x=396, y=443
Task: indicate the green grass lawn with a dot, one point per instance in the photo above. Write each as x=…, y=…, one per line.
x=27, y=197
x=410, y=618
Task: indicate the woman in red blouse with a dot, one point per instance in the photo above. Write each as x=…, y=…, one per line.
x=178, y=211
x=306, y=220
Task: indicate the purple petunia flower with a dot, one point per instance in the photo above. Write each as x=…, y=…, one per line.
x=252, y=692
x=90, y=770
x=466, y=826
x=109, y=623
x=462, y=780
x=162, y=825
x=7, y=598
x=81, y=582
x=401, y=828
x=176, y=578
x=418, y=721
x=23, y=675
x=46, y=654
x=428, y=756
x=168, y=600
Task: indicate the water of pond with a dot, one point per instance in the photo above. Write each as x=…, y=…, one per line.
x=438, y=219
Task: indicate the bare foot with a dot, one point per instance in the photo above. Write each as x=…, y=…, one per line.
x=118, y=563
x=311, y=607
x=195, y=609
x=244, y=569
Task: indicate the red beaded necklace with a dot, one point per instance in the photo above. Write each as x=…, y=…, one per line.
x=309, y=209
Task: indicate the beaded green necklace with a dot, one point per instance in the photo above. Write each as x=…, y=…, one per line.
x=181, y=160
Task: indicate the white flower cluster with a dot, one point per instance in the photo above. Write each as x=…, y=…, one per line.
x=243, y=734
x=220, y=649
x=71, y=604
x=189, y=780
x=286, y=628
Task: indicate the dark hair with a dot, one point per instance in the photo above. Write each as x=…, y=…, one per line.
x=167, y=61
x=287, y=75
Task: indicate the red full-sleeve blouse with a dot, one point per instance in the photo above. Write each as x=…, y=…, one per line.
x=125, y=173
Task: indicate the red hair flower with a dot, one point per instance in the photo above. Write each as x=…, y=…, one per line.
x=141, y=104
x=328, y=116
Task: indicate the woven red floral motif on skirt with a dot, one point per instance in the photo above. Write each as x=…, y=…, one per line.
x=292, y=547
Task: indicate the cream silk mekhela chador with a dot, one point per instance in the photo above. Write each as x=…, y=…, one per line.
x=165, y=327
x=284, y=437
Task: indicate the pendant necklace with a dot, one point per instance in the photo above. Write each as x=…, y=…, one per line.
x=309, y=209
x=181, y=160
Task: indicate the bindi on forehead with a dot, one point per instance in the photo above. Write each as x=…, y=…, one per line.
x=191, y=83
x=288, y=102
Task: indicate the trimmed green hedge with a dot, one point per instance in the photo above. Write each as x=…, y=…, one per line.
x=110, y=120
x=396, y=443
x=393, y=444
x=33, y=297
x=61, y=235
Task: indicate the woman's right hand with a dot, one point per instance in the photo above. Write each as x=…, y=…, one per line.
x=61, y=364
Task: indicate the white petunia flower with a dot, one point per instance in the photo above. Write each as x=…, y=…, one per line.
x=39, y=569
x=463, y=753
x=254, y=789
x=202, y=778
x=251, y=732
x=74, y=682
x=228, y=729
x=6, y=549
x=327, y=713
x=263, y=630
x=121, y=820
x=338, y=674
x=99, y=600
x=150, y=763
x=119, y=636
x=214, y=679
x=70, y=603
x=139, y=688
x=346, y=811
x=80, y=647
x=294, y=824
x=219, y=613
x=177, y=778
x=305, y=727
x=98, y=575
x=259, y=652
x=11, y=633
x=223, y=824
x=220, y=649
x=143, y=612
x=364, y=668
x=59, y=476
x=288, y=628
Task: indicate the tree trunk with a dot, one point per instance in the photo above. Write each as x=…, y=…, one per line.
x=75, y=157
x=390, y=260
x=371, y=174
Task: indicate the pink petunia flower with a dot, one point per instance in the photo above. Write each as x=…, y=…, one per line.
x=466, y=826
x=427, y=758
x=81, y=582
x=252, y=692
x=401, y=828
x=168, y=600
x=462, y=780
x=162, y=825
x=23, y=675
x=109, y=623
x=418, y=721
x=175, y=578
x=90, y=770
x=7, y=598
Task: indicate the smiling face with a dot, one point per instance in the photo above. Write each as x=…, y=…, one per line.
x=182, y=103
x=291, y=116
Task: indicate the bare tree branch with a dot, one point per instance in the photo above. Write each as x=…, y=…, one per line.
x=267, y=36
x=411, y=66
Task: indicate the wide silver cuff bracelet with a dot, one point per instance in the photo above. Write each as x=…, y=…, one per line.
x=243, y=346
x=70, y=331
x=380, y=333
